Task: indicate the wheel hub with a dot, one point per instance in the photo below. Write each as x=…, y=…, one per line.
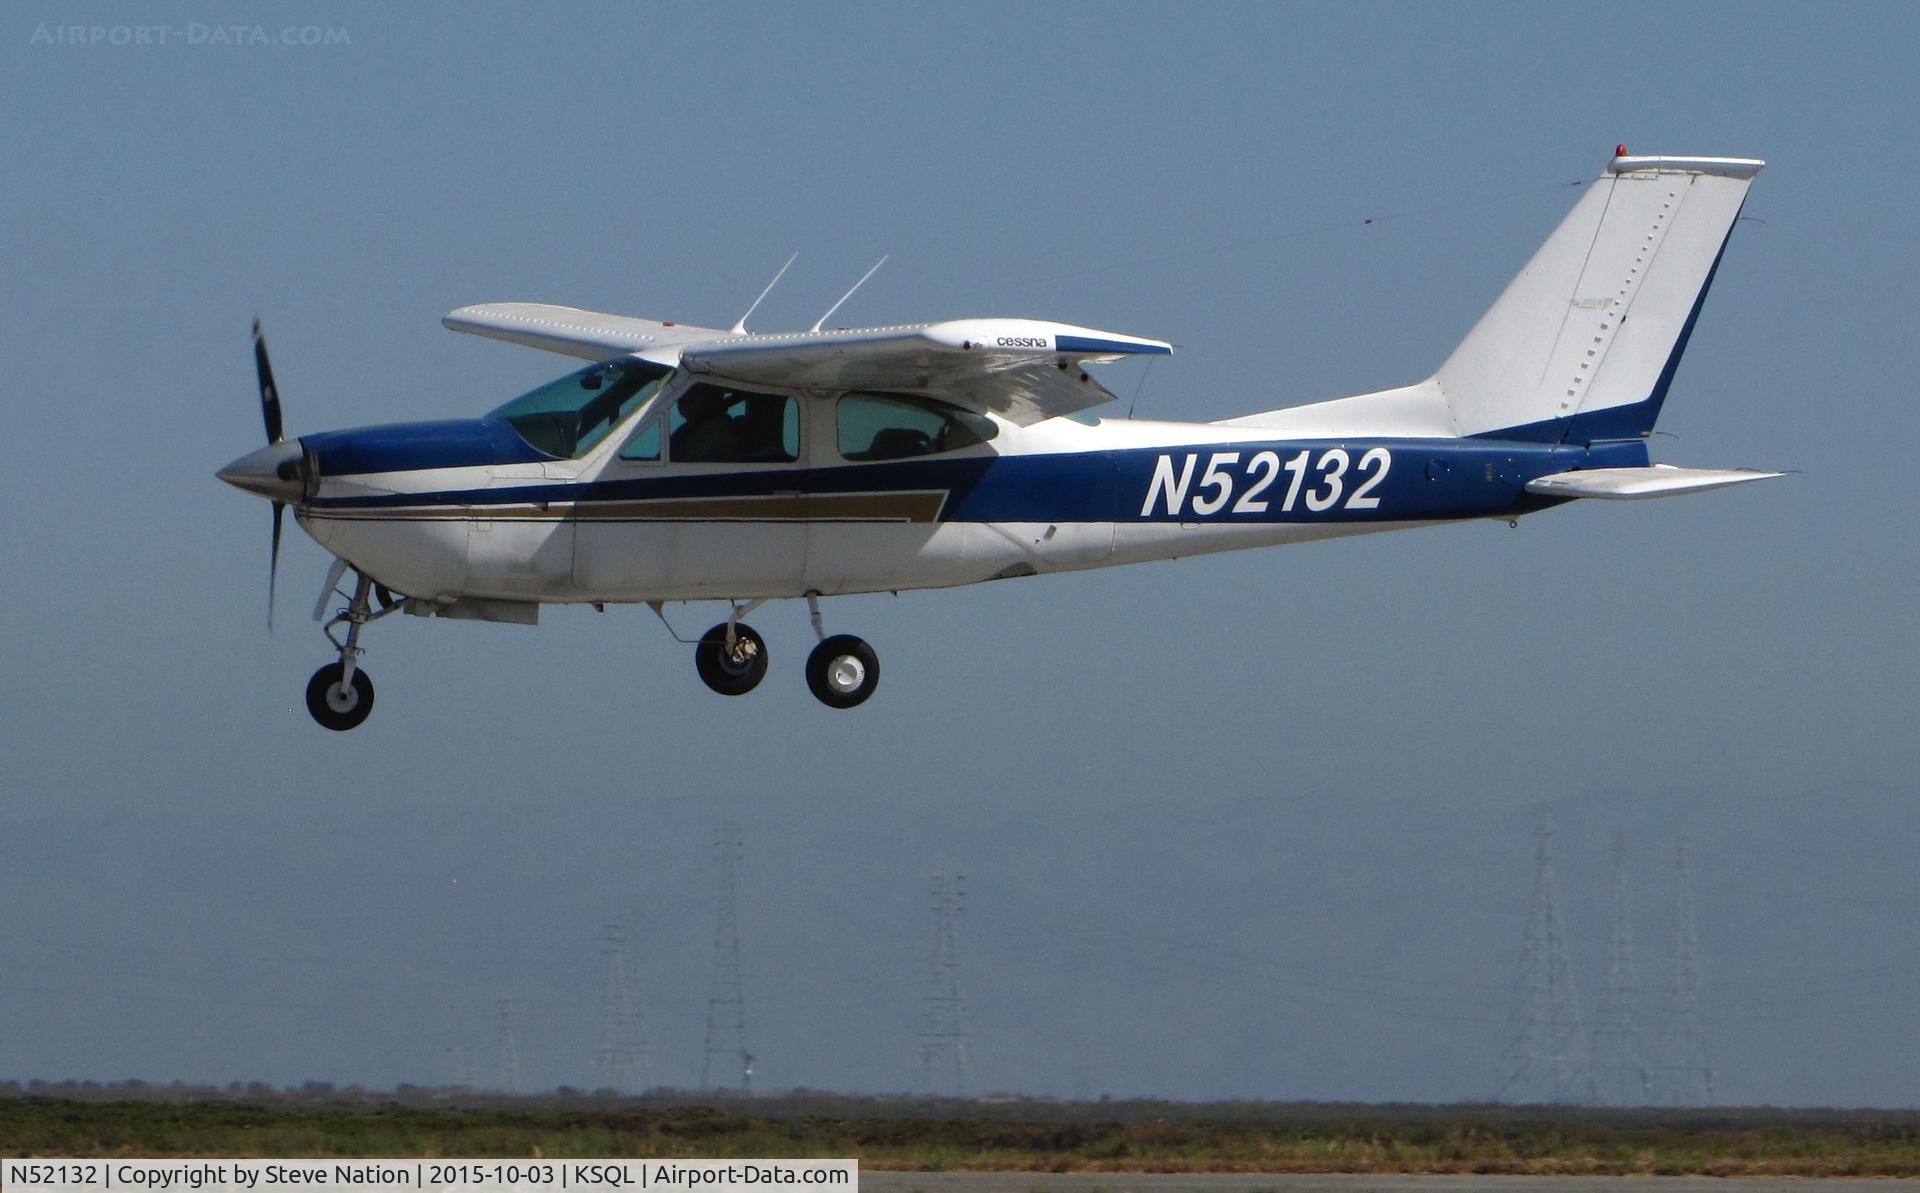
x=342, y=698
x=731, y=658
x=846, y=674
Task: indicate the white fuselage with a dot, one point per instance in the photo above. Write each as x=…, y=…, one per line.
x=1080, y=494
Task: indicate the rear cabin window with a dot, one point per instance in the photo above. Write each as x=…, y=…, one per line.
x=877, y=426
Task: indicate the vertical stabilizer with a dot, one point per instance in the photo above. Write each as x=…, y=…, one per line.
x=1582, y=345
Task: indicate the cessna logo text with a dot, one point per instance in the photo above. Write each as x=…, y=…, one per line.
x=1021, y=342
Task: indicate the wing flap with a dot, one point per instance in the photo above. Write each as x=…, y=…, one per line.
x=1629, y=484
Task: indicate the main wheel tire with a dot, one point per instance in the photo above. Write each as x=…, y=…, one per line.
x=336, y=706
x=843, y=671
x=735, y=673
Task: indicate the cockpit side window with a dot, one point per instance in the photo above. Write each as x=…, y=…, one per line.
x=877, y=426
x=645, y=444
x=712, y=424
x=566, y=418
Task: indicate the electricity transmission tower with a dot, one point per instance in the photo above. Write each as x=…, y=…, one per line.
x=624, y=1060
x=1683, y=1049
x=459, y=1067
x=943, y=1040
x=1545, y=1058
x=1620, y=1076
x=727, y=1004
x=509, y=1076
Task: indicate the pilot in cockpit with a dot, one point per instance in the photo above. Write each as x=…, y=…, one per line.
x=708, y=435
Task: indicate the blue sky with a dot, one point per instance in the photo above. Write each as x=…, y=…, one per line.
x=1254, y=825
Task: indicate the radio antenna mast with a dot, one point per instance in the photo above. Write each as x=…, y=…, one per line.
x=739, y=327
x=849, y=294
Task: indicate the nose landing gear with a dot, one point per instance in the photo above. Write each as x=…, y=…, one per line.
x=340, y=694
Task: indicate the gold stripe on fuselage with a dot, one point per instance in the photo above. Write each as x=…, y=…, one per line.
x=921, y=506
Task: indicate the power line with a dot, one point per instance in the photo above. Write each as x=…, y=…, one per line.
x=727, y=1004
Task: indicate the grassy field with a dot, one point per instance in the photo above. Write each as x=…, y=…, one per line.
x=1036, y=1136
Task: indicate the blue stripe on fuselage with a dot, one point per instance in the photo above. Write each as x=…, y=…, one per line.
x=1426, y=479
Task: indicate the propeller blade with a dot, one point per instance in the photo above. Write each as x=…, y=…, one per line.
x=334, y=573
x=269, y=393
x=273, y=562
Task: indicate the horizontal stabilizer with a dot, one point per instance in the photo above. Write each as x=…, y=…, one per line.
x=1629, y=484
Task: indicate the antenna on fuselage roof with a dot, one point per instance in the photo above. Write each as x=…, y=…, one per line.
x=849, y=294
x=739, y=327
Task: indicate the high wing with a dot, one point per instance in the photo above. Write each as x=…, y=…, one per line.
x=589, y=335
x=1023, y=370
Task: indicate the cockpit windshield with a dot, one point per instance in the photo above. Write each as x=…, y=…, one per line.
x=567, y=417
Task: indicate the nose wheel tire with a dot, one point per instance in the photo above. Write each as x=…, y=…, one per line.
x=843, y=671
x=339, y=706
x=731, y=672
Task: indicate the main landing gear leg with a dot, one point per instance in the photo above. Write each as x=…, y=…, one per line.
x=731, y=658
x=842, y=671
x=340, y=695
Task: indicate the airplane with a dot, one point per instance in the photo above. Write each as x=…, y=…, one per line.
x=688, y=463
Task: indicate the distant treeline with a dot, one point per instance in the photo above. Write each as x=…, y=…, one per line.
x=1003, y=1134
x=806, y=1103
